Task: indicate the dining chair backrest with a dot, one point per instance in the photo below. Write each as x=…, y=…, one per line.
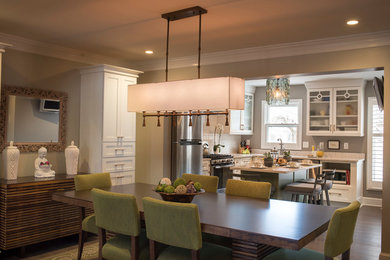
x=172, y=223
x=116, y=212
x=340, y=230
x=209, y=183
x=251, y=189
x=93, y=180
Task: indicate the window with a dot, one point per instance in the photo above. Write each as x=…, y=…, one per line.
x=374, y=146
x=282, y=121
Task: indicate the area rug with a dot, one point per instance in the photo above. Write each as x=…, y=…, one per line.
x=90, y=252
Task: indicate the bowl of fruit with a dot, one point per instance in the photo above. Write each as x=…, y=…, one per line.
x=178, y=191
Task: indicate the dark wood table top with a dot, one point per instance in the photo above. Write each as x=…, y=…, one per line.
x=274, y=222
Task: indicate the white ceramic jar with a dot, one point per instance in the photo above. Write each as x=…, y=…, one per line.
x=72, y=159
x=11, y=156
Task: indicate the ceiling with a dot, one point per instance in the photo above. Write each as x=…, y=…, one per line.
x=124, y=29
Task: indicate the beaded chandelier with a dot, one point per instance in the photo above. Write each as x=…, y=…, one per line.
x=278, y=91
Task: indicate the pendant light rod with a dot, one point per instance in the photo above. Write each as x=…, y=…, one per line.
x=199, y=44
x=181, y=14
x=167, y=52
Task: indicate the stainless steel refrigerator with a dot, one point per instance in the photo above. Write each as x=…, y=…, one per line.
x=186, y=146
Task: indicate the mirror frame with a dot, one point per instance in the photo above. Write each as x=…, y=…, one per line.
x=6, y=91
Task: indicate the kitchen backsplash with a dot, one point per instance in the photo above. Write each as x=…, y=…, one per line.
x=231, y=142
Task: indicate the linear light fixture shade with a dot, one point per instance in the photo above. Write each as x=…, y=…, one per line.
x=214, y=94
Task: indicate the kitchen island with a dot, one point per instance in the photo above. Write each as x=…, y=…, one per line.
x=278, y=176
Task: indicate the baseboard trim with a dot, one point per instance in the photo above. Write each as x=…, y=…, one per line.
x=373, y=202
x=384, y=256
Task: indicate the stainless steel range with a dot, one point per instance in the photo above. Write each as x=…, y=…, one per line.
x=220, y=160
x=220, y=164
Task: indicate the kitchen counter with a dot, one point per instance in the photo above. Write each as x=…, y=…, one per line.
x=328, y=156
x=279, y=169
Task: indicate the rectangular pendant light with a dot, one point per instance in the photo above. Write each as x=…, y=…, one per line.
x=214, y=94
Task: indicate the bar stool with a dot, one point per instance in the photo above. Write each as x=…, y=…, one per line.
x=311, y=193
x=326, y=186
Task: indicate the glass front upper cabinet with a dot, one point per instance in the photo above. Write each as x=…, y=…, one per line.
x=335, y=108
x=241, y=121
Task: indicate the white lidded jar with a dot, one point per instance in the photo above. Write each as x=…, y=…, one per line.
x=72, y=159
x=11, y=156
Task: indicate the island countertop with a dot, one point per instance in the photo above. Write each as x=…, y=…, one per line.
x=328, y=156
x=275, y=169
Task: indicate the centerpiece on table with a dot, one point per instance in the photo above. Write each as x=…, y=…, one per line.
x=179, y=191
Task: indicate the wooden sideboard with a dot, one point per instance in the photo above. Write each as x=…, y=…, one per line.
x=28, y=215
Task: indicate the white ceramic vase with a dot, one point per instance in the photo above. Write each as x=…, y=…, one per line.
x=11, y=156
x=72, y=159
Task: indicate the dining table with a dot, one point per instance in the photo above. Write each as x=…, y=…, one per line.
x=257, y=227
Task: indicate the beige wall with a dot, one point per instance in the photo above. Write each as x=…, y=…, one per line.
x=324, y=62
x=36, y=71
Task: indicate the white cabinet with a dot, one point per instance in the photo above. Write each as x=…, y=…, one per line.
x=118, y=123
x=335, y=108
x=241, y=121
x=350, y=186
x=107, y=130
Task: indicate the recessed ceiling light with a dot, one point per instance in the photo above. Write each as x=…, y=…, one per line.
x=149, y=52
x=352, y=22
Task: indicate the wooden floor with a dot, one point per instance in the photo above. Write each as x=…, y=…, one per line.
x=366, y=245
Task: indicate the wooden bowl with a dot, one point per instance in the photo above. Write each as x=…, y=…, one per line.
x=175, y=197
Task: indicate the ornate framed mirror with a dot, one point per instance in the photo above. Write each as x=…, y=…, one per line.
x=32, y=118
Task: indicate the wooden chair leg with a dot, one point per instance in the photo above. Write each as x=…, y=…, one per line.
x=322, y=198
x=346, y=255
x=102, y=241
x=327, y=198
x=82, y=235
x=195, y=255
x=152, y=249
x=134, y=247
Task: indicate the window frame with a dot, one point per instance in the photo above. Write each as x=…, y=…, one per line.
x=264, y=117
x=371, y=185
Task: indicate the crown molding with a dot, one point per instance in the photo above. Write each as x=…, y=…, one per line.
x=349, y=42
x=52, y=50
x=3, y=46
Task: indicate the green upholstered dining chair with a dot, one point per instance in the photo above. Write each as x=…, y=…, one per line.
x=178, y=226
x=118, y=213
x=209, y=183
x=338, y=239
x=88, y=224
x=250, y=189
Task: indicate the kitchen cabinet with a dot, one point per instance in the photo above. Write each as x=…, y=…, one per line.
x=107, y=129
x=335, y=108
x=241, y=121
x=348, y=183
